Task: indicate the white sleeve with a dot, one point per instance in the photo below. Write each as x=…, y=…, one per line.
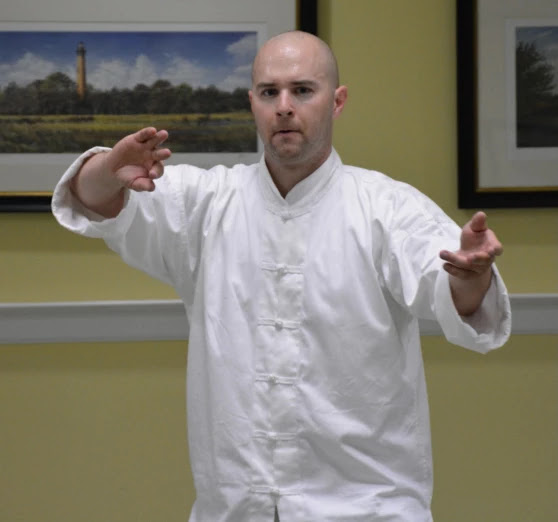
x=68, y=210
x=146, y=233
x=418, y=282
x=488, y=328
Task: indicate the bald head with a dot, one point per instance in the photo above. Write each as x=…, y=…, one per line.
x=295, y=97
x=292, y=42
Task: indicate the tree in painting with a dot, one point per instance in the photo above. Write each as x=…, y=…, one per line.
x=536, y=97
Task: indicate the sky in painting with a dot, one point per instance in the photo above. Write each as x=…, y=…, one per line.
x=124, y=59
x=546, y=40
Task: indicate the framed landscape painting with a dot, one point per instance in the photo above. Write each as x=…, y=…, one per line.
x=507, y=79
x=68, y=86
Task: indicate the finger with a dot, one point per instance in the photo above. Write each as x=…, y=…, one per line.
x=145, y=134
x=162, y=135
x=142, y=184
x=496, y=248
x=478, y=222
x=474, y=262
x=161, y=154
x=460, y=273
x=481, y=259
x=157, y=139
x=454, y=258
x=156, y=170
x=489, y=244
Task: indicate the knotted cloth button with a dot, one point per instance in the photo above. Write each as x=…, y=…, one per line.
x=273, y=379
x=275, y=492
x=278, y=324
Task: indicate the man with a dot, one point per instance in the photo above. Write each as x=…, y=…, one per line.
x=302, y=280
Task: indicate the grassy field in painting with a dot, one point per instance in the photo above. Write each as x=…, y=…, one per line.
x=227, y=132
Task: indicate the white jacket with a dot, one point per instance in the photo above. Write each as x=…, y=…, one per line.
x=305, y=383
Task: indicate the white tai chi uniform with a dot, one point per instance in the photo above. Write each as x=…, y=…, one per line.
x=305, y=383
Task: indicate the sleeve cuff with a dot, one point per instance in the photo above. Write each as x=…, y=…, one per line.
x=488, y=328
x=71, y=214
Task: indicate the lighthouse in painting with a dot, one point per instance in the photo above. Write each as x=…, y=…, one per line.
x=80, y=51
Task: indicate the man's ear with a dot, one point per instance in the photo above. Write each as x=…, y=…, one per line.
x=250, y=97
x=339, y=100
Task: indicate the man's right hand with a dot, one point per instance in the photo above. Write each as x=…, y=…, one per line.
x=134, y=163
x=136, y=160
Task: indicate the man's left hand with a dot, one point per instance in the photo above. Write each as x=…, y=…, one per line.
x=479, y=248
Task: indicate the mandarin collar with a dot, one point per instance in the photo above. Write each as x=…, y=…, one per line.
x=305, y=193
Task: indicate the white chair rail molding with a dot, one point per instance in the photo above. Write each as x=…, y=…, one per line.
x=112, y=321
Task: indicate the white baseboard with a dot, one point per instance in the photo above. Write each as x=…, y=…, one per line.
x=100, y=321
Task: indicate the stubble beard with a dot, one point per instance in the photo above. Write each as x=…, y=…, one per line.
x=289, y=153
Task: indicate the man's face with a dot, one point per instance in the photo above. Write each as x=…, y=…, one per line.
x=294, y=102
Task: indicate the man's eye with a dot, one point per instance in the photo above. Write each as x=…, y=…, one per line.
x=266, y=93
x=303, y=90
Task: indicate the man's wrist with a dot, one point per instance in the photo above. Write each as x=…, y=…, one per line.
x=96, y=187
x=468, y=294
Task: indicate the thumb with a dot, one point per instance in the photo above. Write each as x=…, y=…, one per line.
x=478, y=222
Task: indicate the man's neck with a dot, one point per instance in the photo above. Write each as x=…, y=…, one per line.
x=286, y=176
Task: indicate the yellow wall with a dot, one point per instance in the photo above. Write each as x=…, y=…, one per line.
x=96, y=431
x=93, y=432
x=398, y=59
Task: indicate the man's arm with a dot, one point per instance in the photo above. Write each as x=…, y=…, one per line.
x=470, y=268
x=134, y=163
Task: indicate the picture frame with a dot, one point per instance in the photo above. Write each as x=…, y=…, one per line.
x=497, y=166
x=27, y=179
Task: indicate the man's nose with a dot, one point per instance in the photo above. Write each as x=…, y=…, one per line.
x=284, y=104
